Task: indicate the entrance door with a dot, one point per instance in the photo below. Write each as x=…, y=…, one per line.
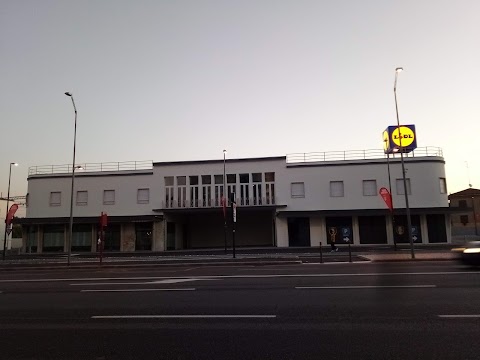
x=298, y=231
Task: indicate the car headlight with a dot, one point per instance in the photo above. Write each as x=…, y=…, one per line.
x=471, y=251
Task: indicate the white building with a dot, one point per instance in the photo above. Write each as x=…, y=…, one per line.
x=294, y=200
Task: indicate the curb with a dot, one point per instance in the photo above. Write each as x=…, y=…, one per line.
x=147, y=265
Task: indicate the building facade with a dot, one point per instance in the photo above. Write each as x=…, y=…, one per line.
x=466, y=221
x=293, y=200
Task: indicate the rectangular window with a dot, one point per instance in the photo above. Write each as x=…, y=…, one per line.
x=181, y=180
x=108, y=197
x=193, y=180
x=298, y=190
x=257, y=177
x=27, y=199
x=336, y=189
x=168, y=180
x=401, y=188
x=244, y=178
x=464, y=219
x=218, y=179
x=206, y=179
x=369, y=187
x=231, y=178
x=269, y=177
x=462, y=203
x=143, y=196
x=82, y=198
x=443, y=186
x=55, y=198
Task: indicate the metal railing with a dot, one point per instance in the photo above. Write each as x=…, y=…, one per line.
x=216, y=203
x=91, y=167
x=359, y=155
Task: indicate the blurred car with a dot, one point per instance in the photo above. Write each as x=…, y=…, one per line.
x=470, y=253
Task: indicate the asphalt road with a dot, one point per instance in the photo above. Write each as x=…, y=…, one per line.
x=410, y=310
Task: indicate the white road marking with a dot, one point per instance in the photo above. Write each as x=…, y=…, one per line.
x=245, y=276
x=459, y=316
x=166, y=281
x=137, y=290
x=184, y=317
x=366, y=287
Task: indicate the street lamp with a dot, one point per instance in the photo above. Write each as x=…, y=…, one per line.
x=224, y=200
x=69, y=241
x=6, y=213
x=409, y=220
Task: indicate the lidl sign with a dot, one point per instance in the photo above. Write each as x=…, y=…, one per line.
x=399, y=139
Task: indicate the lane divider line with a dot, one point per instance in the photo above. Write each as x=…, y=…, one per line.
x=136, y=290
x=184, y=317
x=473, y=316
x=366, y=287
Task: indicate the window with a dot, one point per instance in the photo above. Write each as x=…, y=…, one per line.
x=244, y=178
x=298, y=190
x=401, y=188
x=464, y=219
x=369, y=187
x=443, y=186
x=168, y=180
x=269, y=177
x=55, y=198
x=108, y=197
x=193, y=180
x=336, y=189
x=82, y=198
x=462, y=203
x=206, y=179
x=218, y=179
x=27, y=198
x=231, y=178
x=257, y=177
x=143, y=196
x=181, y=180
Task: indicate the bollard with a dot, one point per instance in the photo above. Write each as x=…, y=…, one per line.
x=321, y=254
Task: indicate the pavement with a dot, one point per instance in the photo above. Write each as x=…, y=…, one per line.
x=244, y=256
x=364, y=310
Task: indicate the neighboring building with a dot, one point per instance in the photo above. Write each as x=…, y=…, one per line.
x=466, y=222
x=294, y=200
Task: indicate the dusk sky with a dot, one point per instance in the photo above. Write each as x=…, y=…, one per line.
x=183, y=80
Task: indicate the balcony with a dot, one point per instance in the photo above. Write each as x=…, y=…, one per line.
x=216, y=203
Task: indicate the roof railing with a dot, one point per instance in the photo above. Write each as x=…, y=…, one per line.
x=91, y=167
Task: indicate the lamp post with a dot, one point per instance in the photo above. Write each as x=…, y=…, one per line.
x=409, y=220
x=224, y=200
x=6, y=212
x=70, y=232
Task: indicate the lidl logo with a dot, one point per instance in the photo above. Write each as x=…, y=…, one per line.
x=403, y=136
x=399, y=139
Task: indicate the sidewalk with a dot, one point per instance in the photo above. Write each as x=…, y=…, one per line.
x=216, y=257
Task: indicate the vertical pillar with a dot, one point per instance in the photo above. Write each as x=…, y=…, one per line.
x=65, y=239
x=317, y=231
x=282, y=232
x=127, y=237
x=158, y=236
x=389, y=228
x=448, y=228
x=25, y=232
x=355, y=231
x=424, y=228
x=39, y=239
x=94, y=238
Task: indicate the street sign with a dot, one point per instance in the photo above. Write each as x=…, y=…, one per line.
x=346, y=234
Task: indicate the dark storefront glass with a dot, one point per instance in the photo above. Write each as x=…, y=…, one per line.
x=143, y=232
x=400, y=230
x=82, y=237
x=339, y=229
x=112, y=237
x=53, y=238
x=373, y=229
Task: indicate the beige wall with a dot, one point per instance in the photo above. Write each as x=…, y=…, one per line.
x=127, y=237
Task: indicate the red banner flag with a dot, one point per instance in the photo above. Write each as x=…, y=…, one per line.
x=387, y=197
x=11, y=213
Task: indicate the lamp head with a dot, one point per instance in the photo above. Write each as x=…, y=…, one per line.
x=399, y=69
x=68, y=93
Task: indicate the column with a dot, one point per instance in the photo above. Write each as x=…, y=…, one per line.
x=318, y=231
x=448, y=228
x=25, y=229
x=39, y=239
x=127, y=237
x=424, y=228
x=355, y=231
x=389, y=226
x=158, y=236
x=282, y=232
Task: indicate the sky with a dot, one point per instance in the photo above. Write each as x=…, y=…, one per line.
x=182, y=80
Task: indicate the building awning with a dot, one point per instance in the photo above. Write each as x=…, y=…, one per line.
x=368, y=212
x=88, y=220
